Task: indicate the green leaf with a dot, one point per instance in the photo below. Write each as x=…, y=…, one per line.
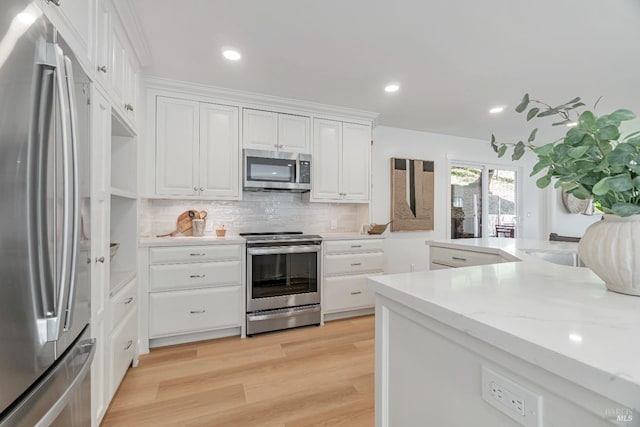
x=587, y=120
x=581, y=192
x=577, y=152
x=549, y=112
x=532, y=113
x=518, y=151
x=544, y=150
x=622, y=115
x=631, y=135
x=601, y=188
x=532, y=135
x=543, y=163
x=636, y=181
x=574, y=136
x=574, y=100
x=634, y=141
x=579, y=104
x=622, y=154
x=502, y=150
x=615, y=183
x=493, y=139
x=544, y=181
x=523, y=104
x=625, y=209
x=608, y=133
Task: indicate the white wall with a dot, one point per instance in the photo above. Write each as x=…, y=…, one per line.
x=407, y=250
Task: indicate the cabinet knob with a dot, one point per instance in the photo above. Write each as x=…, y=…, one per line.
x=201, y=188
x=195, y=188
x=197, y=311
x=128, y=301
x=56, y=2
x=356, y=293
x=102, y=68
x=128, y=107
x=128, y=346
x=100, y=260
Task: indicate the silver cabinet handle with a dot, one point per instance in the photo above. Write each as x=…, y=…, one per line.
x=102, y=68
x=195, y=188
x=100, y=260
x=56, y=2
x=197, y=254
x=356, y=246
x=355, y=264
x=128, y=107
x=129, y=344
x=201, y=188
x=458, y=258
x=197, y=276
x=128, y=301
x=356, y=293
x=197, y=311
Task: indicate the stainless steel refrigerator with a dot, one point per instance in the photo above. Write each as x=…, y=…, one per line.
x=45, y=346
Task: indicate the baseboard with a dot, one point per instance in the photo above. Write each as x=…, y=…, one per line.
x=328, y=317
x=197, y=336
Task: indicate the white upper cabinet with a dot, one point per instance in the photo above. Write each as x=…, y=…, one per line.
x=118, y=58
x=177, y=147
x=341, y=161
x=293, y=133
x=75, y=20
x=197, y=149
x=326, y=159
x=356, y=152
x=219, y=151
x=265, y=130
x=103, y=44
x=259, y=130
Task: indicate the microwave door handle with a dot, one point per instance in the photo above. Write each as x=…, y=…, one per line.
x=37, y=170
x=75, y=204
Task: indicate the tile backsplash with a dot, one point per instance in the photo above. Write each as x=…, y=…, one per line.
x=276, y=211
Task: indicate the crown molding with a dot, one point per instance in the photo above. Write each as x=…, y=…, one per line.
x=256, y=100
x=133, y=27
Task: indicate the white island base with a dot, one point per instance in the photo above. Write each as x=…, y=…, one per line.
x=566, y=349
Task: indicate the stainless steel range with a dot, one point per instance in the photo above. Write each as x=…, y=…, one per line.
x=283, y=280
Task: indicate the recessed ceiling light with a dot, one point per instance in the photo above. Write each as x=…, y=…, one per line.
x=231, y=54
x=496, y=110
x=575, y=337
x=392, y=87
x=26, y=18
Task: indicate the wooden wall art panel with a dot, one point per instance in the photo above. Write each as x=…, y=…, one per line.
x=411, y=195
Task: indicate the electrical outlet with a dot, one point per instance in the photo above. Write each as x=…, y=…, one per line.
x=334, y=224
x=511, y=399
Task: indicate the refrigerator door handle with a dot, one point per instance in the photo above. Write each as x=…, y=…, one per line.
x=42, y=267
x=75, y=203
x=57, y=323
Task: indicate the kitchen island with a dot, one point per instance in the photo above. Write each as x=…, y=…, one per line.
x=547, y=344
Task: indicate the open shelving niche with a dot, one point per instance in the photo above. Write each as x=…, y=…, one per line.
x=124, y=199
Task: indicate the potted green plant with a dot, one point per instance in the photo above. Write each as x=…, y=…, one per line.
x=593, y=160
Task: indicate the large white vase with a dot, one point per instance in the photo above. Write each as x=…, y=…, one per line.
x=611, y=249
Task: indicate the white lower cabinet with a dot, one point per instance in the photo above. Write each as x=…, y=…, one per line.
x=123, y=341
x=347, y=264
x=180, y=312
x=442, y=258
x=194, y=290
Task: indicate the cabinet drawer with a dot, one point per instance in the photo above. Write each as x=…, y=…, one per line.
x=348, y=293
x=124, y=302
x=353, y=263
x=180, y=312
x=194, y=275
x=179, y=254
x=342, y=246
x=123, y=342
x=461, y=258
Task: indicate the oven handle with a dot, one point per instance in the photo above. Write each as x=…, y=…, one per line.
x=283, y=250
x=282, y=314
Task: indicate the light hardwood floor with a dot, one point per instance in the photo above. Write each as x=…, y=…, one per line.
x=314, y=376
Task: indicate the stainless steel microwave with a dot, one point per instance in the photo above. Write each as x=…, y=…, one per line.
x=276, y=170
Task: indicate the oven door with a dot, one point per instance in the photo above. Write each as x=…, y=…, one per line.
x=282, y=276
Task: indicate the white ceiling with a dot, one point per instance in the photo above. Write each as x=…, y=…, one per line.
x=454, y=59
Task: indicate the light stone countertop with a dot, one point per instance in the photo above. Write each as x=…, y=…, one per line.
x=557, y=317
x=350, y=236
x=207, y=239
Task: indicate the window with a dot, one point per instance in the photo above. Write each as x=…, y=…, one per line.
x=483, y=201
